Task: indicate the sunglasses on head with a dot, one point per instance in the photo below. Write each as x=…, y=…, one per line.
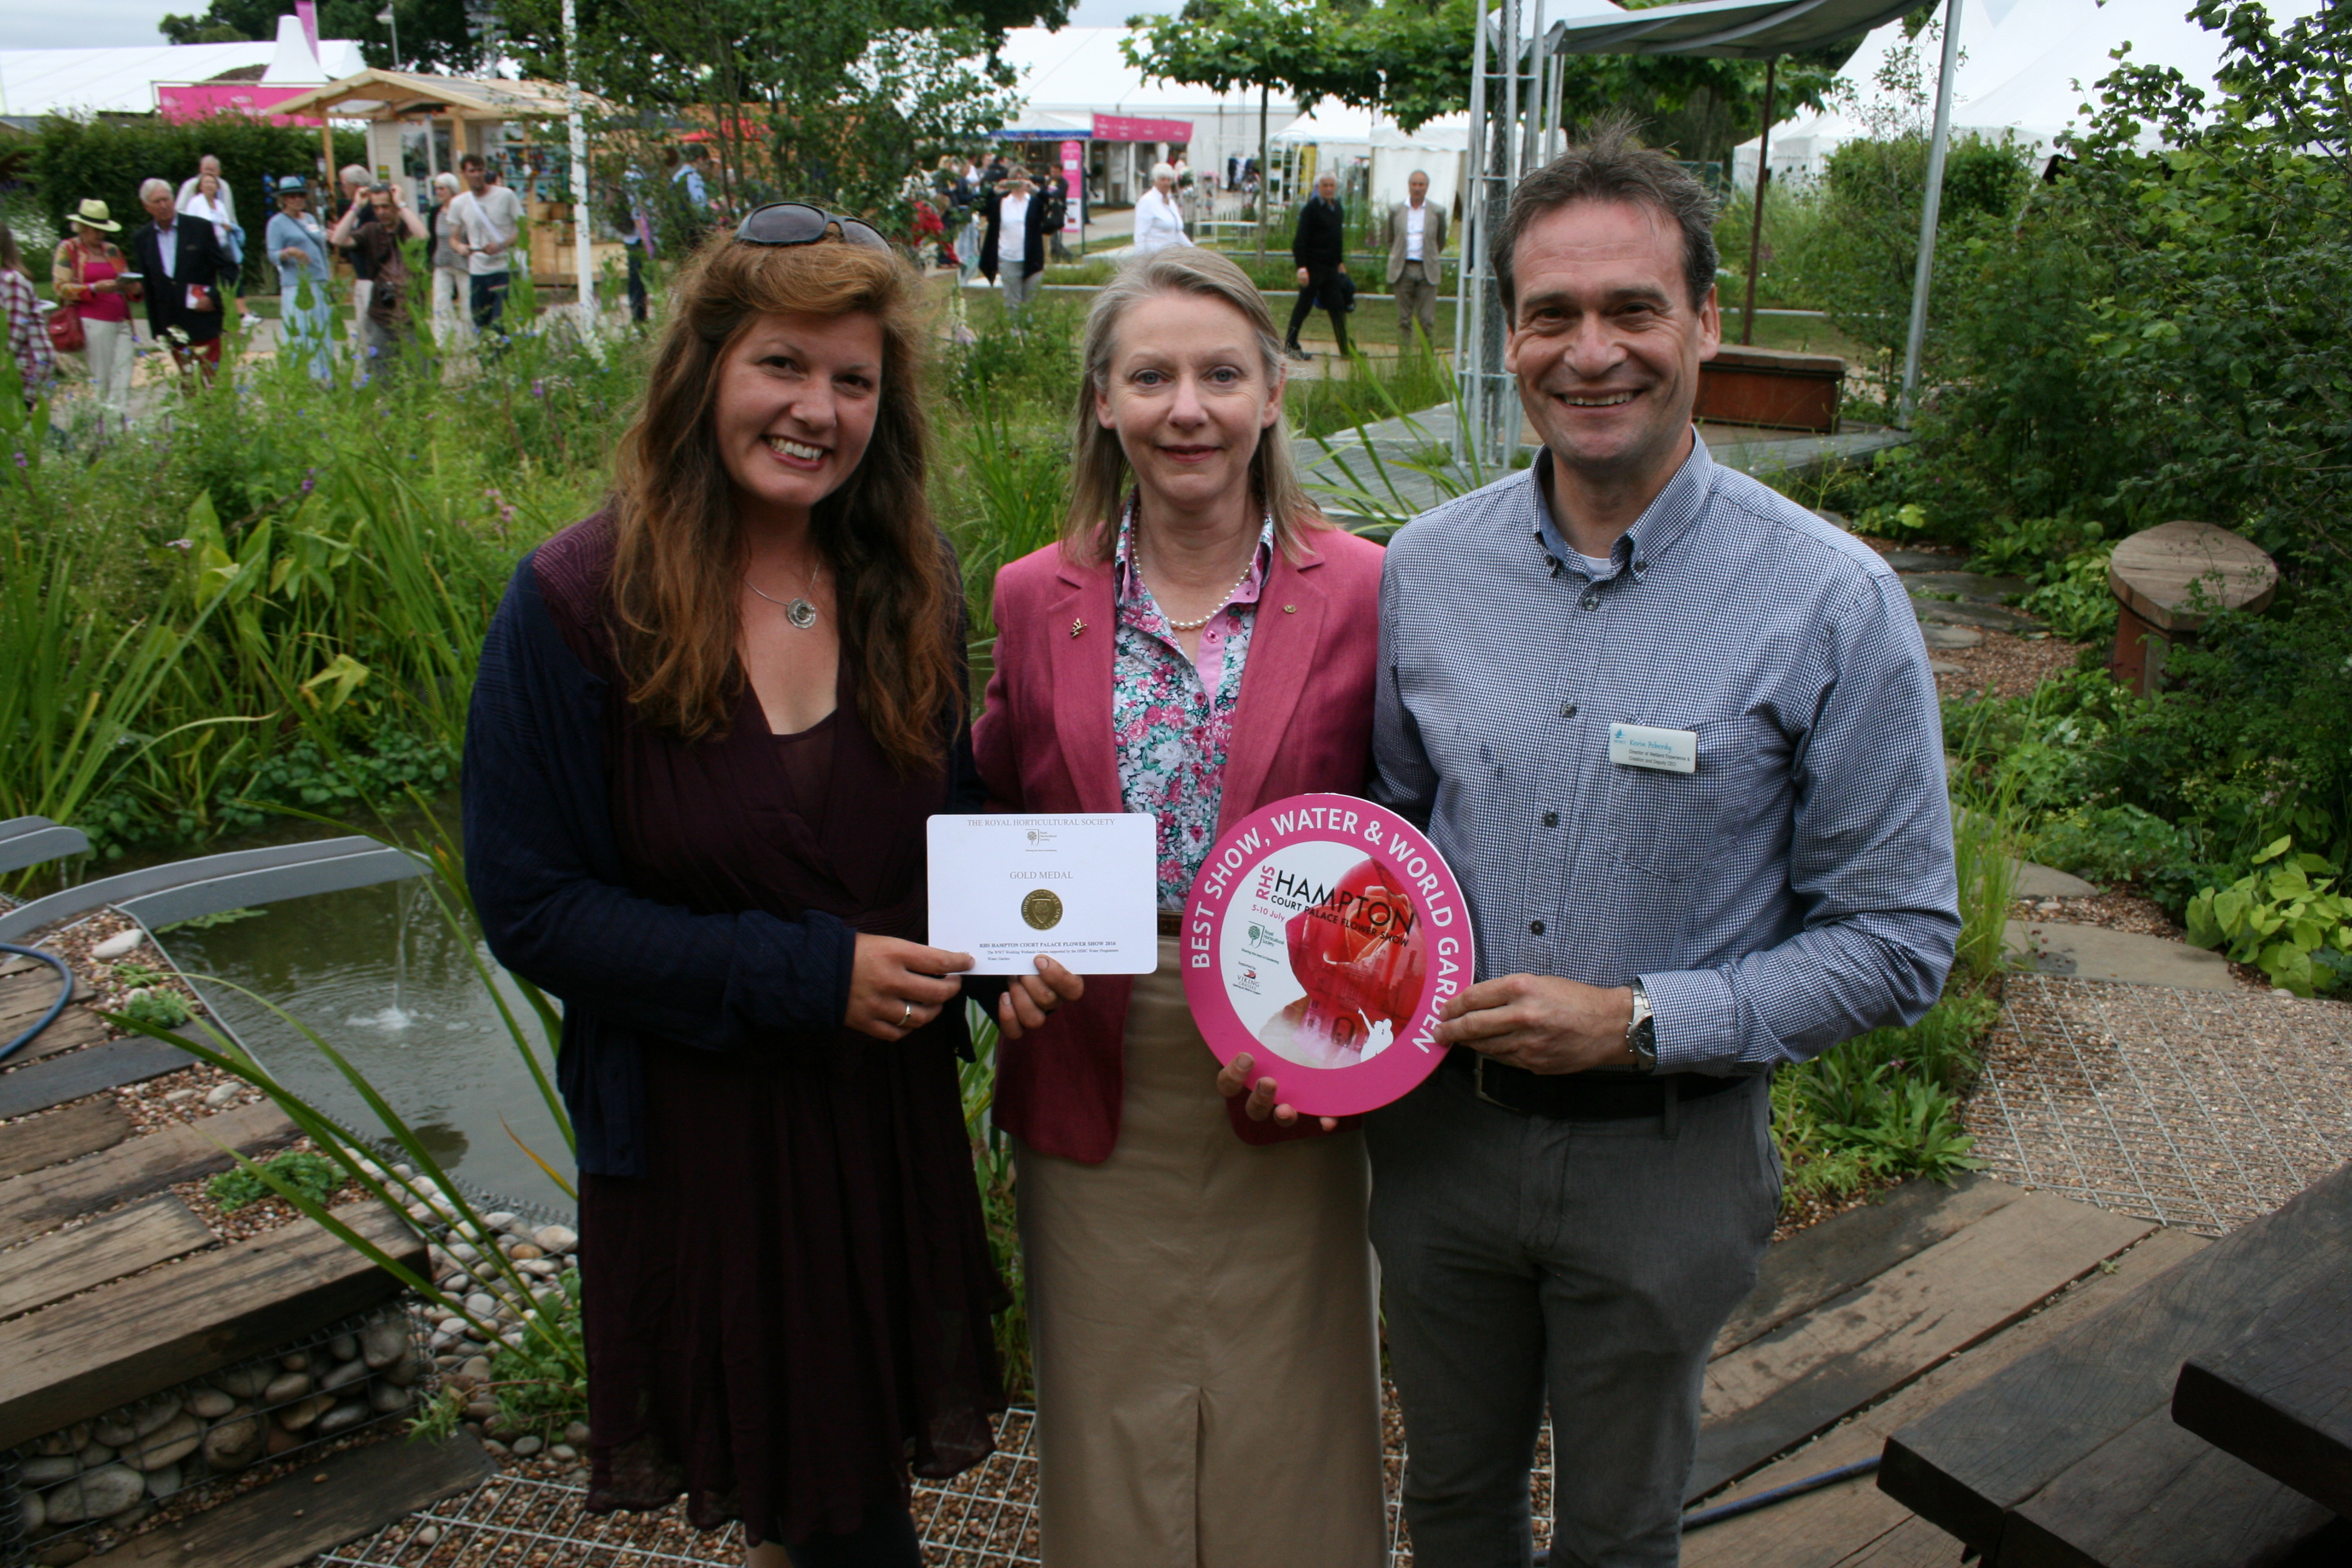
x=797, y=222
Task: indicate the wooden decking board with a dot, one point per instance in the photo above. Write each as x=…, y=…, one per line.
x=1968, y=1464
x=2282, y=1398
x=1777, y=1391
x=57, y=1267
x=294, y=1519
x=123, y=1341
x=65, y=1134
x=1914, y=1543
x=1826, y=1528
x=75, y=1026
x=34, y=1202
x=28, y=994
x=78, y=1073
x=1818, y=1265
x=2158, y=1496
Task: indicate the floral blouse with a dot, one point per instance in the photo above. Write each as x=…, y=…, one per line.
x=1171, y=719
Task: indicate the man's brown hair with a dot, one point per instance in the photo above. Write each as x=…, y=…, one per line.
x=1611, y=165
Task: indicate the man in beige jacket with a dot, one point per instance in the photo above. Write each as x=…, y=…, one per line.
x=1416, y=268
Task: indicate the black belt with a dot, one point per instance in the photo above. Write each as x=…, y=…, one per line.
x=1583, y=1095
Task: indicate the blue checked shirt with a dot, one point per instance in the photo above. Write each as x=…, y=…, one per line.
x=1793, y=891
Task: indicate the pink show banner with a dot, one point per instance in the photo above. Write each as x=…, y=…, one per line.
x=1321, y=936
x=1128, y=128
x=180, y=102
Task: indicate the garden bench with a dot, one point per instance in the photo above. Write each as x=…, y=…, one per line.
x=2168, y=581
x=1773, y=389
x=2072, y=1454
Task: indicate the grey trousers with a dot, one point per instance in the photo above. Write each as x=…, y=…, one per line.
x=1416, y=300
x=1587, y=1265
x=1019, y=290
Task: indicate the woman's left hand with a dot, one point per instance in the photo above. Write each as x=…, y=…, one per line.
x=1233, y=1077
x=1028, y=998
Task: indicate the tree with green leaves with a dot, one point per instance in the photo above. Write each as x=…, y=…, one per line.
x=1409, y=59
x=834, y=101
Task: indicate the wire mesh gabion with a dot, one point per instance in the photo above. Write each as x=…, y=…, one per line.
x=90, y=1483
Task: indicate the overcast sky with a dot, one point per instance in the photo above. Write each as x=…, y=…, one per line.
x=77, y=24
x=80, y=24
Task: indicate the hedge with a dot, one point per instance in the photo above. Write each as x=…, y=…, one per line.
x=78, y=159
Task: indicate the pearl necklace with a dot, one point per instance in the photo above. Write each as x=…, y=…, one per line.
x=1174, y=625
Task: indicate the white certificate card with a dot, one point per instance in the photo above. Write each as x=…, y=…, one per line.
x=1082, y=890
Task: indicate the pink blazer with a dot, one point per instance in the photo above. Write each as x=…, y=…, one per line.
x=1043, y=743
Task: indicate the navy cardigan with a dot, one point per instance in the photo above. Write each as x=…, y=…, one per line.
x=546, y=876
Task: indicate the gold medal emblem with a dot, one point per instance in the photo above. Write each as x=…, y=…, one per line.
x=1042, y=909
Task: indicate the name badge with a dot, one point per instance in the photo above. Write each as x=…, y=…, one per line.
x=1667, y=751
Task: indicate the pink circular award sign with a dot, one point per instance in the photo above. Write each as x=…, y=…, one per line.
x=1322, y=935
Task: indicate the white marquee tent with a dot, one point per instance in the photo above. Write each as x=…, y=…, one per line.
x=1436, y=147
x=1067, y=77
x=122, y=81
x=2027, y=68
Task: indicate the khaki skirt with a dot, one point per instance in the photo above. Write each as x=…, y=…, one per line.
x=1201, y=1315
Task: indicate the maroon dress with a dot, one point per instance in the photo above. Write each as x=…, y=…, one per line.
x=791, y=1306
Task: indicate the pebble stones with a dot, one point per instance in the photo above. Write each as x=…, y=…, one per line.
x=337, y=1376
x=223, y=1094
x=233, y=1444
x=303, y=1413
x=525, y=1447
x=555, y=1239
x=244, y=1381
x=383, y=1341
x=343, y=1347
x=121, y=943
x=210, y=1404
x=286, y=1388
x=96, y=1494
x=168, y=1443
x=344, y=1418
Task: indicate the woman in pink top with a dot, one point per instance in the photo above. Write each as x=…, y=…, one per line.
x=88, y=274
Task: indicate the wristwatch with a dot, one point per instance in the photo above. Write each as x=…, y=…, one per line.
x=1642, y=1033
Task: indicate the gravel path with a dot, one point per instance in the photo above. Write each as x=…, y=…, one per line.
x=2198, y=1109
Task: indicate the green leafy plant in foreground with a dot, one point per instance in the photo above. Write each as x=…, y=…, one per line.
x=314, y=1176
x=164, y=1009
x=2288, y=920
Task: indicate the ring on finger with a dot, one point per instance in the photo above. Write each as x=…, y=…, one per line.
x=907, y=1017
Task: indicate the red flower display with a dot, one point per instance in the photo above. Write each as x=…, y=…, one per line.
x=1361, y=957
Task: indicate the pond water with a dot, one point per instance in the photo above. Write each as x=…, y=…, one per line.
x=379, y=975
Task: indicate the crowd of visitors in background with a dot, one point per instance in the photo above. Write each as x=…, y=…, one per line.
x=989, y=217
x=184, y=263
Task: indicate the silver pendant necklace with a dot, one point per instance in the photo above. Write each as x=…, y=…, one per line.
x=797, y=609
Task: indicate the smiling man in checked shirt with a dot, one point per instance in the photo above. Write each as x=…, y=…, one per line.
x=1678, y=739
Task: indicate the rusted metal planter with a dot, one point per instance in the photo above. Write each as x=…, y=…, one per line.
x=1770, y=388
x=2168, y=581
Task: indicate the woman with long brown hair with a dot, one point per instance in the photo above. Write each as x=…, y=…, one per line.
x=709, y=724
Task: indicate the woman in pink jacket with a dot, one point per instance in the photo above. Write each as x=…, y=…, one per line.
x=1200, y=1280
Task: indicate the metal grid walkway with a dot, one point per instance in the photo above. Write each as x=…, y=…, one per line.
x=2201, y=1109
x=985, y=1517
